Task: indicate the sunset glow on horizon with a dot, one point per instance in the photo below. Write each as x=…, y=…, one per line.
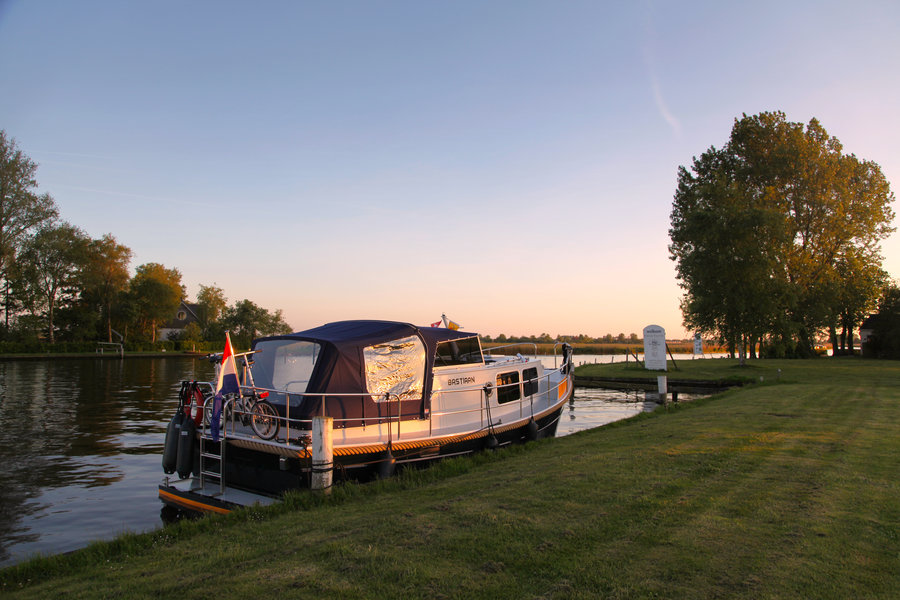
x=510, y=164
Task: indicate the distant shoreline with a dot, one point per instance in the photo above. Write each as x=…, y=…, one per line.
x=542, y=349
x=96, y=355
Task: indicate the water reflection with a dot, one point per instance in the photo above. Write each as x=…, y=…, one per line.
x=79, y=440
x=593, y=407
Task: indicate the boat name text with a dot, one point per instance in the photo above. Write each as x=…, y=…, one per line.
x=460, y=380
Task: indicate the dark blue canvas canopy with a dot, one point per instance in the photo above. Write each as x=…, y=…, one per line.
x=340, y=368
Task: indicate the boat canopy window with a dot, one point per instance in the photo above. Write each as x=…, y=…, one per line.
x=396, y=367
x=463, y=351
x=285, y=365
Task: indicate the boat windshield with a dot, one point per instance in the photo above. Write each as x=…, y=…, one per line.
x=285, y=365
x=463, y=351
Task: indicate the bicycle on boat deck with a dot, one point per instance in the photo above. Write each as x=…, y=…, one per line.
x=249, y=408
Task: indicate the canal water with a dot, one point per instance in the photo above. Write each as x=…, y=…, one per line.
x=81, y=444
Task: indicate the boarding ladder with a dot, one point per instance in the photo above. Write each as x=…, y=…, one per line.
x=212, y=460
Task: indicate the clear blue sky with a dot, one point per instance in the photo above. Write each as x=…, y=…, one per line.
x=509, y=163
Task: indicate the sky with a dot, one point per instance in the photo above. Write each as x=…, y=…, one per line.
x=509, y=163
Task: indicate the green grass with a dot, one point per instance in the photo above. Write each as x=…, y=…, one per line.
x=725, y=369
x=579, y=348
x=787, y=489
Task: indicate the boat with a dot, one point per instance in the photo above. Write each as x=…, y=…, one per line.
x=391, y=394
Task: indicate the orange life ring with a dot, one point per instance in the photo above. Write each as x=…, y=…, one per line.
x=193, y=406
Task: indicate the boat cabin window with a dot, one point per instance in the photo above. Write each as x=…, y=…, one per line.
x=530, y=378
x=463, y=351
x=396, y=367
x=285, y=365
x=508, y=387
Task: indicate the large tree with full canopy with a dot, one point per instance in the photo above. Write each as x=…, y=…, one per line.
x=156, y=292
x=776, y=236
x=22, y=209
x=50, y=263
x=105, y=277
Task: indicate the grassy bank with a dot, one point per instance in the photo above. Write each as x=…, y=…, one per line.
x=599, y=348
x=716, y=369
x=786, y=488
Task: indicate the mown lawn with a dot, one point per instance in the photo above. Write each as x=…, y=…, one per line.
x=787, y=488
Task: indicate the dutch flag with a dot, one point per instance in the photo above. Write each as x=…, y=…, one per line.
x=227, y=383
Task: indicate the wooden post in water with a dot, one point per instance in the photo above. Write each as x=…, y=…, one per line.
x=322, y=453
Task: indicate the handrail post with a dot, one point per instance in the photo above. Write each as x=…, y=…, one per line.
x=387, y=400
x=322, y=454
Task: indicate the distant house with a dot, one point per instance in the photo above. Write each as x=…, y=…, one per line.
x=185, y=315
x=866, y=329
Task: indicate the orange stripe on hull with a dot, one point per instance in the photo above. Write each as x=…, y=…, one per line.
x=190, y=504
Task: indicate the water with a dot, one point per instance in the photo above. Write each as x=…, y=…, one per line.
x=81, y=445
x=80, y=449
x=593, y=407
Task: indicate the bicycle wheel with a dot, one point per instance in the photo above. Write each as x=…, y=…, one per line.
x=264, y=420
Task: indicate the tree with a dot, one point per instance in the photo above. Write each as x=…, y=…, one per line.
x=105, y=277
x=155, y=294
x=212, y=303
x=726, y=250
x=759, y=227
x=857, y=289
x=21, y=208
x=50, y=263
x=246, y=321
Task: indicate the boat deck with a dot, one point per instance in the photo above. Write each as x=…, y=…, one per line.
x=189, y=495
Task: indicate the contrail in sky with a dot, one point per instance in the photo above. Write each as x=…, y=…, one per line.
x=662, y=107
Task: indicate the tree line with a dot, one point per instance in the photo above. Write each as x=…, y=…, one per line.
x=545, y=338
x=59, y=284
x=776, y=238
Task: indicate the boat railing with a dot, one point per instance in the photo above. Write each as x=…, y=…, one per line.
x=551, y=394
x=297, y=430
x=487, y=351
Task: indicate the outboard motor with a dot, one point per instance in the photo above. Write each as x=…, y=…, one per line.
x=186, y=437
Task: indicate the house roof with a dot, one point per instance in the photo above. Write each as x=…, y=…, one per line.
x=190, y=312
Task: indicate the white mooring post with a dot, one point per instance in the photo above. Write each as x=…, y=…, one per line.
x=322, y=455
x=662, y=382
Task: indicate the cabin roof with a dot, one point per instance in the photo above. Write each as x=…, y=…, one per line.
x=341, y=366
x=368, y=332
